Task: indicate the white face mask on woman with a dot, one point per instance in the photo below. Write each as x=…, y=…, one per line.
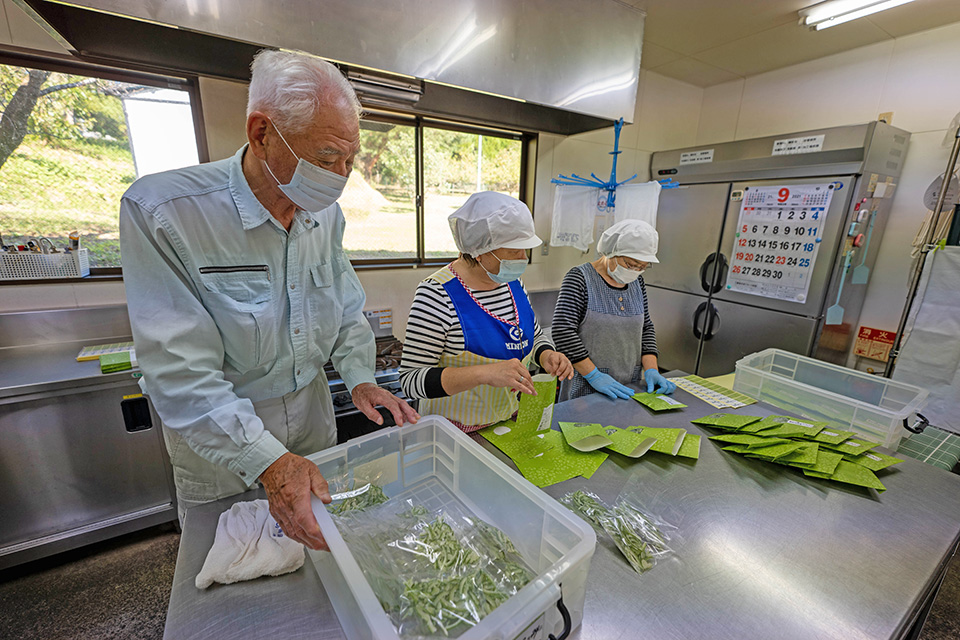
x=311, y=188
x=623, y=275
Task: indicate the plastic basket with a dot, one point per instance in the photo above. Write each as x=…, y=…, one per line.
x=869, y=405
x=437, y=464
x=39, y=266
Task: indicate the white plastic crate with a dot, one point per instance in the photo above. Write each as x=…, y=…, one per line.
x=37, y=266
x=869, y=405
x=436, y=464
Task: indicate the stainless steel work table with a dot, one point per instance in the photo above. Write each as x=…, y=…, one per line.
x=765, y=552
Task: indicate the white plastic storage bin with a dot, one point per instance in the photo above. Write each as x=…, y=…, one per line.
x=436, y=463
x=869, y=405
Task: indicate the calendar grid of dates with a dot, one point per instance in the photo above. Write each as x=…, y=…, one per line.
x=777, y=240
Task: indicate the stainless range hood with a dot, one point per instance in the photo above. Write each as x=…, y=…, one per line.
x=562, y=66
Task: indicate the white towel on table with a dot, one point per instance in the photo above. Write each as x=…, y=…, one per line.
x=249, y=544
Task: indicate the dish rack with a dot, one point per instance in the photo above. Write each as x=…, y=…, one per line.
x=41, y=266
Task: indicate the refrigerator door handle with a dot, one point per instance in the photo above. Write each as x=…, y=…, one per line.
x=696, y=319
x=714, y=266
x=713, y=323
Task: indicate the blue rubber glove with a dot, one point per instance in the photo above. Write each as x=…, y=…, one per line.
x=653, y=378
x=606, y=385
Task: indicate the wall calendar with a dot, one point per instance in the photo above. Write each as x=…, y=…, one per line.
x=777, y=240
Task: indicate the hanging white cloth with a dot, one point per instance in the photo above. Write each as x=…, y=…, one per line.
x=930, y=356
x=638, y=201
x=575, y=209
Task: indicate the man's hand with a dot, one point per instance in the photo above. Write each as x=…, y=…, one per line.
x=289, y=481
x=366, y=396
x=556, y=364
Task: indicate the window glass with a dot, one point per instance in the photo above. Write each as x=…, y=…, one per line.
x=457, y=164
x=70, y=145
x=379, y=201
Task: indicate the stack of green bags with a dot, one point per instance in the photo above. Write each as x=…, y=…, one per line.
x=119, y=361
x=816, y=448
x=632, y=442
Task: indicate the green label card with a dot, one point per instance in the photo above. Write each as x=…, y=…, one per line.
x=628, y=443
x=585, y=436
x=658, y=401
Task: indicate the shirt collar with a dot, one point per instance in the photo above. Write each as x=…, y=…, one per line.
x=252, y=212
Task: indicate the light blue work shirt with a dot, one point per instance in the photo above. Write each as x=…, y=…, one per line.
x=228, y=308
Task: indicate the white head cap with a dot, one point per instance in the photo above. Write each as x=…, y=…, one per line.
x=489, y=220
x=632, y=239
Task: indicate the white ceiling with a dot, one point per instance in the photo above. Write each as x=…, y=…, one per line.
x=706, y=42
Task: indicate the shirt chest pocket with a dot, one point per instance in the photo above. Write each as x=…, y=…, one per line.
x=240, y=300
x=325, y=299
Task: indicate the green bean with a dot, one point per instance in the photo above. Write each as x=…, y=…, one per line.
x=371, y=497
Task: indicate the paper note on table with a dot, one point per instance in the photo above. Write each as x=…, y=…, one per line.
x=559, y=462
x=534, y=409
x=669, y=441
x=585, y=436
x=658, y=402
x=95, y=351
x=628, y=443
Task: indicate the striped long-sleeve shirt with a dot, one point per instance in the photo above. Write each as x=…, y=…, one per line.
x=433, y=330
x=571, y=309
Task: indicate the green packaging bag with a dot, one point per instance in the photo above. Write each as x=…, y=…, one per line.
x=558, y=462
x=658, y=401
x=536, y=412
x=628, y=443
x=853, y=446
x=669, y=441
x=850, y=473
x=873, y=460
x=832, y=436
x=725, y=420
x=585, y=436
x=690, y=447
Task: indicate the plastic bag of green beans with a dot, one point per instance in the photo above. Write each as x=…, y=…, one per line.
x=640, y=537
x=436, y=573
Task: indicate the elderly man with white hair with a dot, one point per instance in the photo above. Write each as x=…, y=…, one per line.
x=239, y=292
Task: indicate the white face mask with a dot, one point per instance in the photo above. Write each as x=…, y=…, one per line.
x=509, y=271
x=311, y=188
x=623, y=275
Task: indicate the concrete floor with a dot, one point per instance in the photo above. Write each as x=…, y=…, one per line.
x=120, y=589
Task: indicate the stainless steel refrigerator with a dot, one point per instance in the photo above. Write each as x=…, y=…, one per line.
x=801, y=293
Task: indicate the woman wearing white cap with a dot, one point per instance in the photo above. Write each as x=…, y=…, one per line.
x=602, y=322
x=472, y=333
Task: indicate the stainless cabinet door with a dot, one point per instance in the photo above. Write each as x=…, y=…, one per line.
x=830, y=237
x=673, y=315
x=67, y=462
x=689, y=221
x=735, y=330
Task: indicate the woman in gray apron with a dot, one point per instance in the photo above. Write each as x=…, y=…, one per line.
x=601, y=321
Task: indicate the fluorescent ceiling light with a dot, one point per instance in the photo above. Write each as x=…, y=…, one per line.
x=833, y=12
